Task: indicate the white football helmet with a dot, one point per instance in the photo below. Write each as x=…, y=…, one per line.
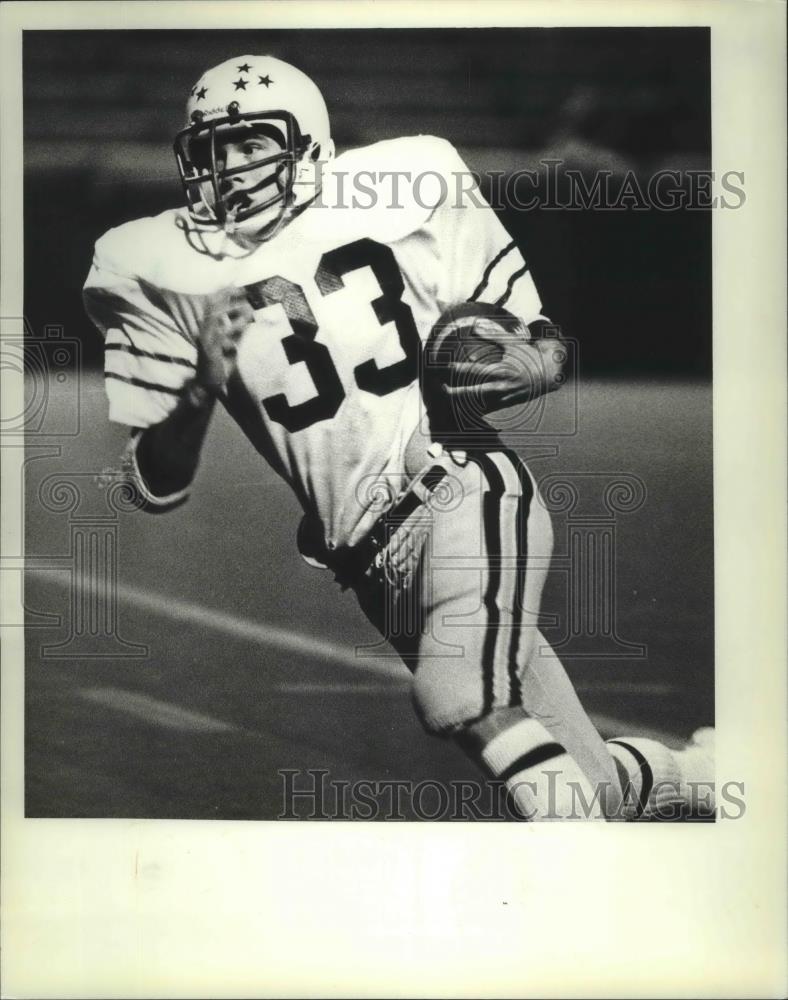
x=253, y=96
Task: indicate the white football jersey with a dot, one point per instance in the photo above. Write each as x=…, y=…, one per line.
x=326, y=383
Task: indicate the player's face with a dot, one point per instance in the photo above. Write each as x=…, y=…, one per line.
x=248, y=188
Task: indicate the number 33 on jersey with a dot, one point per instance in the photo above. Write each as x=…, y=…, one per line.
x=326, y=383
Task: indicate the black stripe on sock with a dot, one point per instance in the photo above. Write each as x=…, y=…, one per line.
x=539, y=755
x=489, y=270
x=646, y=774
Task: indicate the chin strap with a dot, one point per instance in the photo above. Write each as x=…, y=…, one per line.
x=230, y=225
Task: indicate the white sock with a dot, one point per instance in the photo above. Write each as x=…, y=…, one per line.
x=660, y=783
x=544, y=781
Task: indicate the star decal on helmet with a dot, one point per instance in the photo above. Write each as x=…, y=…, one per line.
x=200, y=93
x=265, y=80
x=240, y=84
x=245, y=68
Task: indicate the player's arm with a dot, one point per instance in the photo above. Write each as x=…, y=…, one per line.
x=163, y=458
x=161, y=378
x=484, y=270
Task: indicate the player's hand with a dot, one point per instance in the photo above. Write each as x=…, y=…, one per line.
x=228, y=316
x=514, y=371
x=480, y=358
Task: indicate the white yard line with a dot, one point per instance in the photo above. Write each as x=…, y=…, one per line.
x=271, y=636
x=156, y=712
x=287, y=641
x=169, y=716
x=340, y=687
x=173, y=716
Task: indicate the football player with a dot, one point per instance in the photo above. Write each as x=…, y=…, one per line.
x=304, y=309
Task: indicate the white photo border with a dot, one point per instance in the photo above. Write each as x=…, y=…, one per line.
x=134, y=908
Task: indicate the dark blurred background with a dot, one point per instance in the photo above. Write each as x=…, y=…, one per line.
x=101, y=109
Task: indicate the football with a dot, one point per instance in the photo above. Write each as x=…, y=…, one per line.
x=469, y=332
x=473, y=332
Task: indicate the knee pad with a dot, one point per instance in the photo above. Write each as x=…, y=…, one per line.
x=445, y=697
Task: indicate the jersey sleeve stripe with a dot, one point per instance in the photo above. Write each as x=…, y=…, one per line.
x=510, y=285
x=148, y=342
x=489, y=270
x=137, y=407
x=127, y=365
x=142, y=384
x=153, y=355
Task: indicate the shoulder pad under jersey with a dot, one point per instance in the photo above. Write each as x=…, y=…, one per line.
x=159, y=250
x=361, y=185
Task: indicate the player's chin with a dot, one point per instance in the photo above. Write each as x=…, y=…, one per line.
x=253, y=219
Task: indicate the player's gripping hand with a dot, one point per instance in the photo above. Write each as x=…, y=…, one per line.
x=480, y=358
x=229, y=314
